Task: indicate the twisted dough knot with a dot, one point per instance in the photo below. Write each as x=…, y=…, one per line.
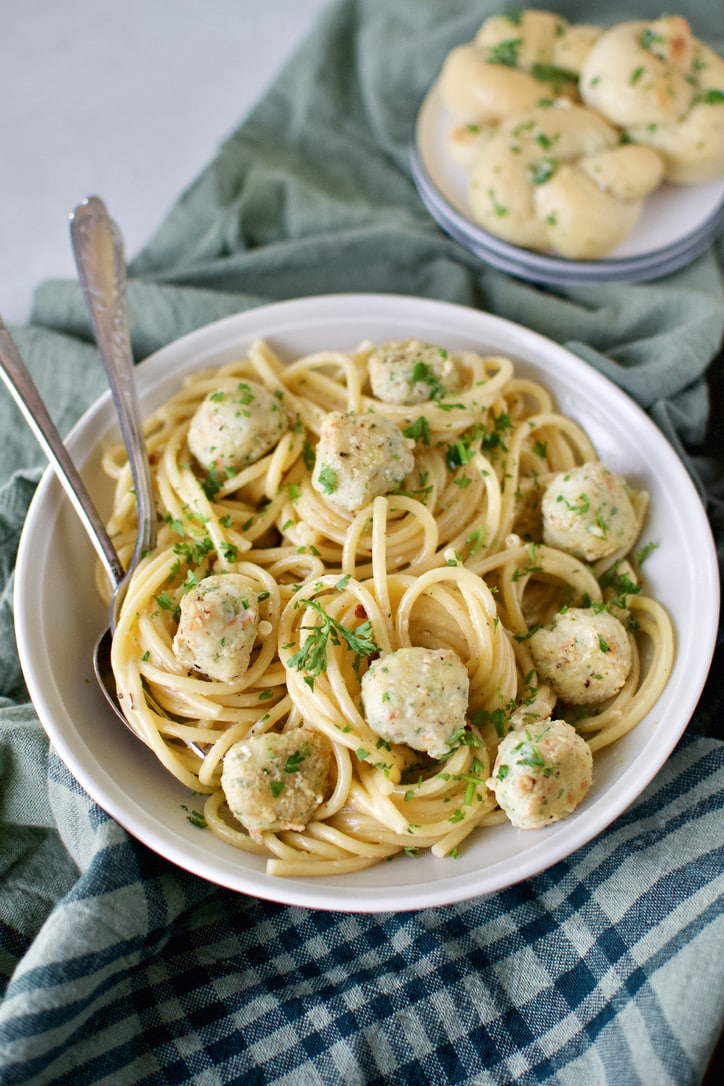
x=513, y=62
x=665, y=89
x=557, y=177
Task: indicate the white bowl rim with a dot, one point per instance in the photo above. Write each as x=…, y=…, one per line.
x=296, y=319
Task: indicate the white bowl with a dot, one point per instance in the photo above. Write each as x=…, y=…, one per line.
x=58, y=615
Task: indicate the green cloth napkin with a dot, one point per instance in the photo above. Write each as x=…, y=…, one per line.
x=117, y=967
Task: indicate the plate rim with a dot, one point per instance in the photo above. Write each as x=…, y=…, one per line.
x=567, y=273
x=438, y=205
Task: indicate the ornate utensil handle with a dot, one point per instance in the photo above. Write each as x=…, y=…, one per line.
x=98, y=249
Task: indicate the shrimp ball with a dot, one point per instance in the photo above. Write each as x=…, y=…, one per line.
x=541, y=773
x=360, y=457
x=584, y=654
x=418, y=697
x=235, y=426
x=217, y=627
x=588, y=512
x=276, y=781
x=407, y=371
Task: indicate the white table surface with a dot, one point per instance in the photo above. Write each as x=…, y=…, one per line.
x=128, y=101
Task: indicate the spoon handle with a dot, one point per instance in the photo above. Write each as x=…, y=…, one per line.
x=98, y=249
x=24, y=391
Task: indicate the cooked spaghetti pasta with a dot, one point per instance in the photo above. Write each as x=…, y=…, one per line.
x=451, y=561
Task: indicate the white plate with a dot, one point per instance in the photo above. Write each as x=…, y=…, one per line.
x=672, y=217
x=58, y=615
x=557, y=271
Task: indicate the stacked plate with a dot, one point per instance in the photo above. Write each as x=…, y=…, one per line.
x=677, y=224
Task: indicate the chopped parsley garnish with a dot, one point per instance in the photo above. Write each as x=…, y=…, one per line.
x=167, y=603
x=545, y=141
x=583, y=500
x=197, y=819
x=419, y=430
x=621, y=584
x=458, y=454
x=475, y=541
x=244, y=393
x=216, y=478
x=308, y=455
x=532, y=757
x=550, y=73
x=421, y=372
x=211, y=484
x=497, y=717
x=230, y=552
x=294, y=762
x=327, y=478
x=649, y=37
x=505, y=52
x=493, y=439
x=312, y=656
x=499, y=209
x=193, y=551
x=540, y=172
x=644, y=552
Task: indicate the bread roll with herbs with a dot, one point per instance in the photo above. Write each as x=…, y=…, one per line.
x=556, y=177
x=665, y=89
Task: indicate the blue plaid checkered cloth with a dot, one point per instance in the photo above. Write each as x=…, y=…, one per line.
x=118, y=968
